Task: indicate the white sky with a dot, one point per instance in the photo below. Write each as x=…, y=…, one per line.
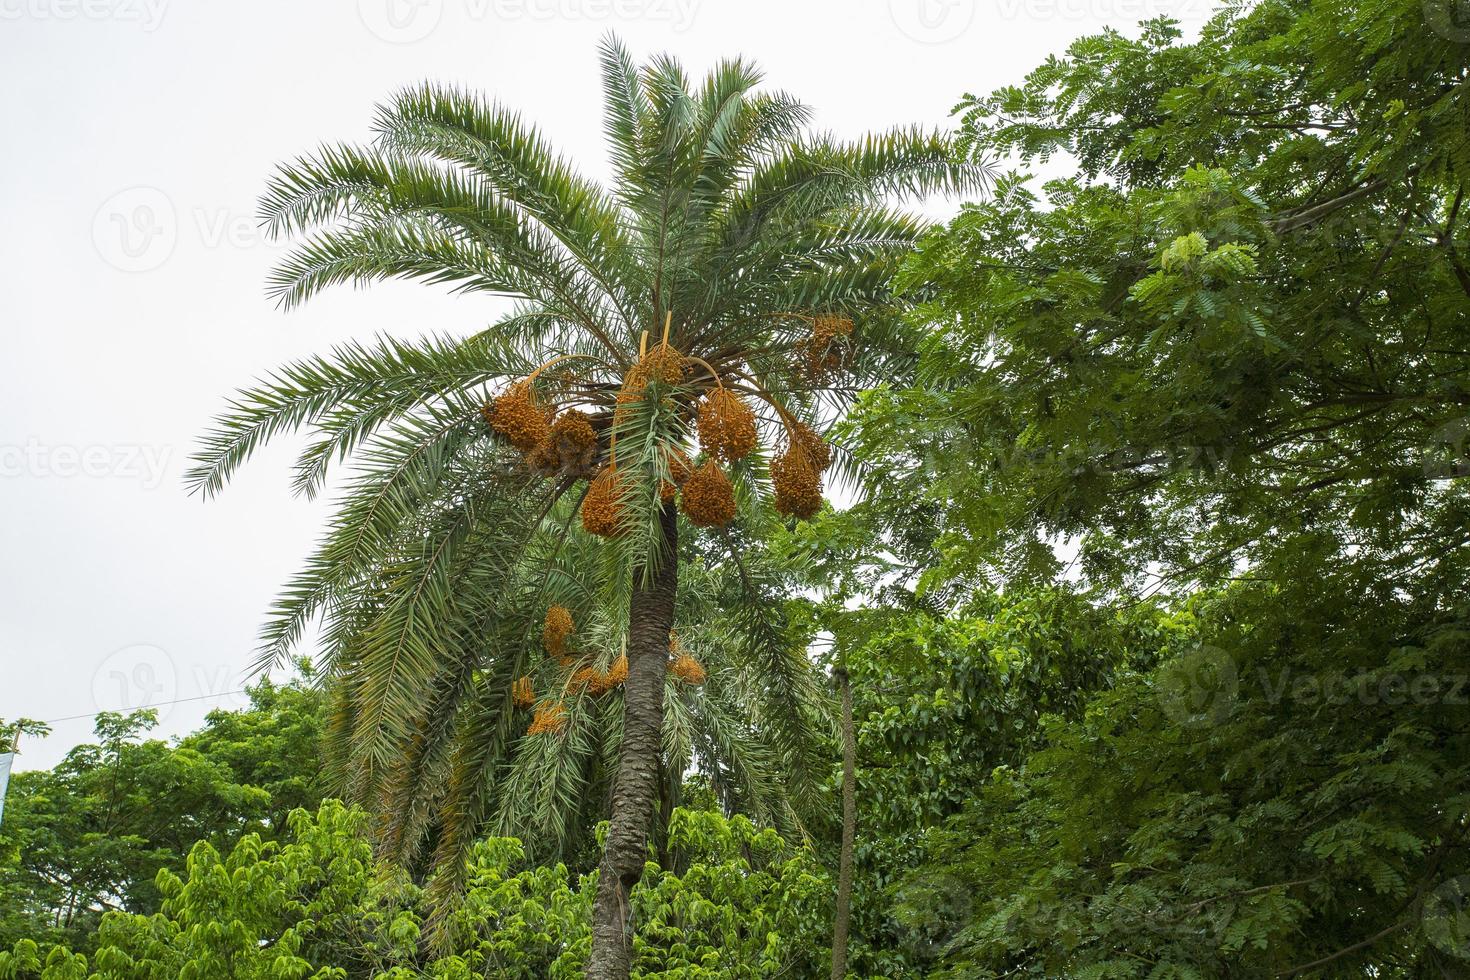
x=138, y=134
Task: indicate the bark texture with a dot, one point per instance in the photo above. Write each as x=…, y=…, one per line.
x=849, y=831
x=636, y=791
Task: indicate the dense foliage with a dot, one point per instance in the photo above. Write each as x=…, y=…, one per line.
x=1238, y=332
x=1292, y=792
x=1153, y=606
x=1225, y=364
x=941, y=702
x=91, y=834
x=745, y=904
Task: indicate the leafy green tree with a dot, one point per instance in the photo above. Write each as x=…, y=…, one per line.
x=274, y=744
x=11, y=732
x=940, y=701
x=756, y=257
x=1230, y=354
x=92, y=834
x=1239, y=331
x=1287, y=798
x=315, y=905
x=10, y=736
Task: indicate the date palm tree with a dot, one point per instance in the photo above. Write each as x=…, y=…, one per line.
x=732, y=282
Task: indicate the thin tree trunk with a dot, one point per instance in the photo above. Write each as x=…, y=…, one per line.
x=849, y=830
x=665, y=814
x=635, y=795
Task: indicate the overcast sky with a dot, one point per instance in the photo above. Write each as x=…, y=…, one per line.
x=138, y=134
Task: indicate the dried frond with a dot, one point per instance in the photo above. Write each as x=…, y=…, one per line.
x=603, y=507
x=557, y=628
x=708, y=498
x=550, y=717
x=726, y=426
x=797, y=483
x=522, y=694
x=518, y=417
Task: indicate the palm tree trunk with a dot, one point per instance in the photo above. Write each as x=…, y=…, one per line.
x=849, y=830
x=635, y=795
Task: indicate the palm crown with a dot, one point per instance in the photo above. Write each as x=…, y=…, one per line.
x=733, y=281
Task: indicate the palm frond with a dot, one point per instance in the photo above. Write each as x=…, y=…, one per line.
x=447, y=546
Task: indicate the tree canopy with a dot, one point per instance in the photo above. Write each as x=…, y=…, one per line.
x=90, y=835
x=1149, y=603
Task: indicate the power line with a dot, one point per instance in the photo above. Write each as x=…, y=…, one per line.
x=161, y=704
